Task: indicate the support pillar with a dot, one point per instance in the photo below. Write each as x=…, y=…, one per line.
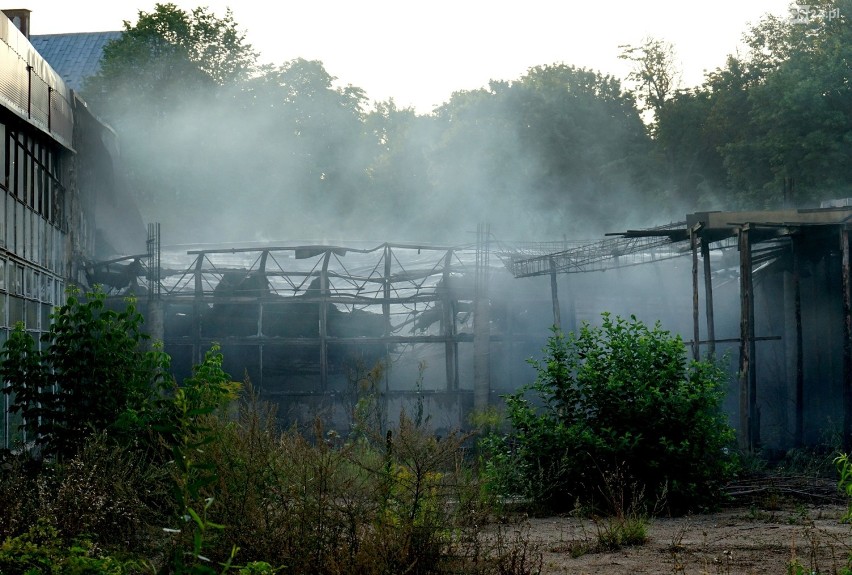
x=386, y=295
x=481, y=325
x=749, y=424
x=386, y=290
x=696, y=332
x=448, y=321
x=554, y=294
x=798, y=434
x=198, y=305
x=323, y=322
x=155, y=321
x=708, y=299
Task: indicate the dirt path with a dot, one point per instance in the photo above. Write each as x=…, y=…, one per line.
x=740, y=540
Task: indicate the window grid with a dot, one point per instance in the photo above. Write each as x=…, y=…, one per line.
x=32, y=265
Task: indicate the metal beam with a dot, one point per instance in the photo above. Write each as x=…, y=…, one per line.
x=696, y=335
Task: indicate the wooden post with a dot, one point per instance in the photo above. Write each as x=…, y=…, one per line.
x=748, y=382
x=554, y=294
x=696, y=332
x=708, y=299
x=753, y=410
x=847, y=341
x=798, y=436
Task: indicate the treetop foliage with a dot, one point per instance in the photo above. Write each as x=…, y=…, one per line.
x=166, y=57
x=655, y=72
x=773, y=118
x=560, y=150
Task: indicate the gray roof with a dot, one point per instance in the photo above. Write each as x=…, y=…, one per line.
x=75, y=56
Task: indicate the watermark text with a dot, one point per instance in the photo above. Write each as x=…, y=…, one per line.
x=806, y=13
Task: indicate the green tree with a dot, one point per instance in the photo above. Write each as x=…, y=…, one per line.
x=201, y=124
x=655, y=72
x=168, y=56
x=560, y=150
x=692, y=175
x=780, y=111
x=688, y=170
x=169, y=88
x=801, y=109
x=400, y=180
x=477, y=166
x=619, y=400
x=316, y=149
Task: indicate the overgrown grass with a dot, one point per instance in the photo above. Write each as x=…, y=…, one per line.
x=263, y=500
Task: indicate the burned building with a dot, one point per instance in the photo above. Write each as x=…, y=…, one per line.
x=775, y=284
x=793, y=310
x=769, y=297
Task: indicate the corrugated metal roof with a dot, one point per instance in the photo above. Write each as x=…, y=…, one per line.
x=74, y=56
x=31, y=88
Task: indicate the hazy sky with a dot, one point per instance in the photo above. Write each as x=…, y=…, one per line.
x=420, y=52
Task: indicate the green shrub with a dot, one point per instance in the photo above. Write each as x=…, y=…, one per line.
x=90, y=375
x=323, y=504
x=616, y=399
x=186, y=419
x=18, y=495
x=41, y=551
x=104, y=493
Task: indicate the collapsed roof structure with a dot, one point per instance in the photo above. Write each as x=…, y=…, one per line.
x=793, y=267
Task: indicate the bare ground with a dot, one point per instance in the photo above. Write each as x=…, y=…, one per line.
x=763, y=535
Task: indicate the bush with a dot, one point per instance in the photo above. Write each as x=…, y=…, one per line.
x=616, y=400
x=41, y=551
x=325, y=504
x=91, y=374
x=18, y=495
x=104, y=494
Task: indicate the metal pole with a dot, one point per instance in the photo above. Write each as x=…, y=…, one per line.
x=554, y=294
x=696, y=335
x=708, y=299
